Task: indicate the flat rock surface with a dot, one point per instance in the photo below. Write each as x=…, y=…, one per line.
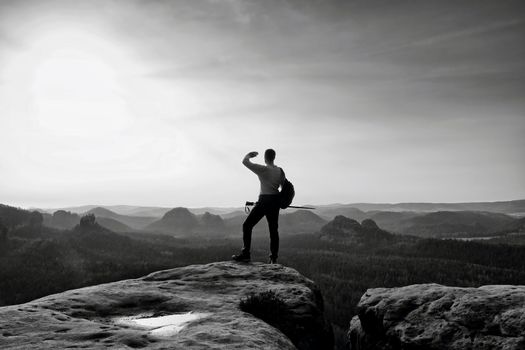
x=99, y=316
x=432, y=316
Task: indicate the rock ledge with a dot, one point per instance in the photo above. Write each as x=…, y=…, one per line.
x=86, y=317
x=431, y=316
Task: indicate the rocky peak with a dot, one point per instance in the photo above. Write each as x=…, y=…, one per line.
x=342, y=228
x=64, y=219
x=369, y=224
x=178, y=221
x=179, y=213
x=100, y=211
x=192, y=307
x=212, y=220
x=432, y=317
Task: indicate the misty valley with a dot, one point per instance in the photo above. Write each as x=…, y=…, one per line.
x=344, y=249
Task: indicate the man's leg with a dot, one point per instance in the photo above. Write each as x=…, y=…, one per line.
x=253, y=218
x=272, y=216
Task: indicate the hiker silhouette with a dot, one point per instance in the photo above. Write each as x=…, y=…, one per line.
x=270, y=177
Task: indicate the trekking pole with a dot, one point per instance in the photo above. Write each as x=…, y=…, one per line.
x=249, y=204
x=300, y=207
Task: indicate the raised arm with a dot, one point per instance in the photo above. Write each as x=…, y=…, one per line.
x=256, y=168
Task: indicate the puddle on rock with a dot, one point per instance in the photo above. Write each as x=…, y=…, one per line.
x=163, y=326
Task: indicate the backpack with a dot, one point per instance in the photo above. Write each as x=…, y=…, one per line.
x=287, y=191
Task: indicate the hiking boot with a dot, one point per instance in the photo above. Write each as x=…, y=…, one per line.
x=272, y=260
x=243, y=257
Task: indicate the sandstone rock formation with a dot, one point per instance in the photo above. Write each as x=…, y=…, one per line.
x=431, y=316
x=345, y=230
x=207, y=296
x=176, y=221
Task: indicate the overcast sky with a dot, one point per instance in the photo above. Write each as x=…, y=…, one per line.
x=156, y=102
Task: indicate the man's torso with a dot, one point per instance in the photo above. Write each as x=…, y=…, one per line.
x=270, y=178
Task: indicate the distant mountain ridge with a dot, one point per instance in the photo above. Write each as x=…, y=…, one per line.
x=65, y=220
x=144, y=211
x=181, y=221
x=301, y=221
x=419, y=219
x=61, y=219
x=507, y=207
x=331, y=210
x=443, y=224
x=135, y=222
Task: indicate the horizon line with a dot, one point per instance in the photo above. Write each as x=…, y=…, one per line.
x=241, y=206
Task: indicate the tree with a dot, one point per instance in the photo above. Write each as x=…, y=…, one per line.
x=36, y=218
x=88, y=220
x=3, y=232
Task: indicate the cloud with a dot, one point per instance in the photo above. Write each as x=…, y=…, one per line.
x=356, y=89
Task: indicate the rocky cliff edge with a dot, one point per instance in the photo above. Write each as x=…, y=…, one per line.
x=193, y=307
x=432, y=316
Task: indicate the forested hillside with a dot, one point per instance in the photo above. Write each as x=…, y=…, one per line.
x=36, y=260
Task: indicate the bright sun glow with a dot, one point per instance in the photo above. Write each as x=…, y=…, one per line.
x=73, y=80
x=85, y=107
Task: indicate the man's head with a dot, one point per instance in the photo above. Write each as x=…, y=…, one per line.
x=269, y=156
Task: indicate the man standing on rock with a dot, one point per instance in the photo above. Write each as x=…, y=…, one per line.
x=271, y=177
